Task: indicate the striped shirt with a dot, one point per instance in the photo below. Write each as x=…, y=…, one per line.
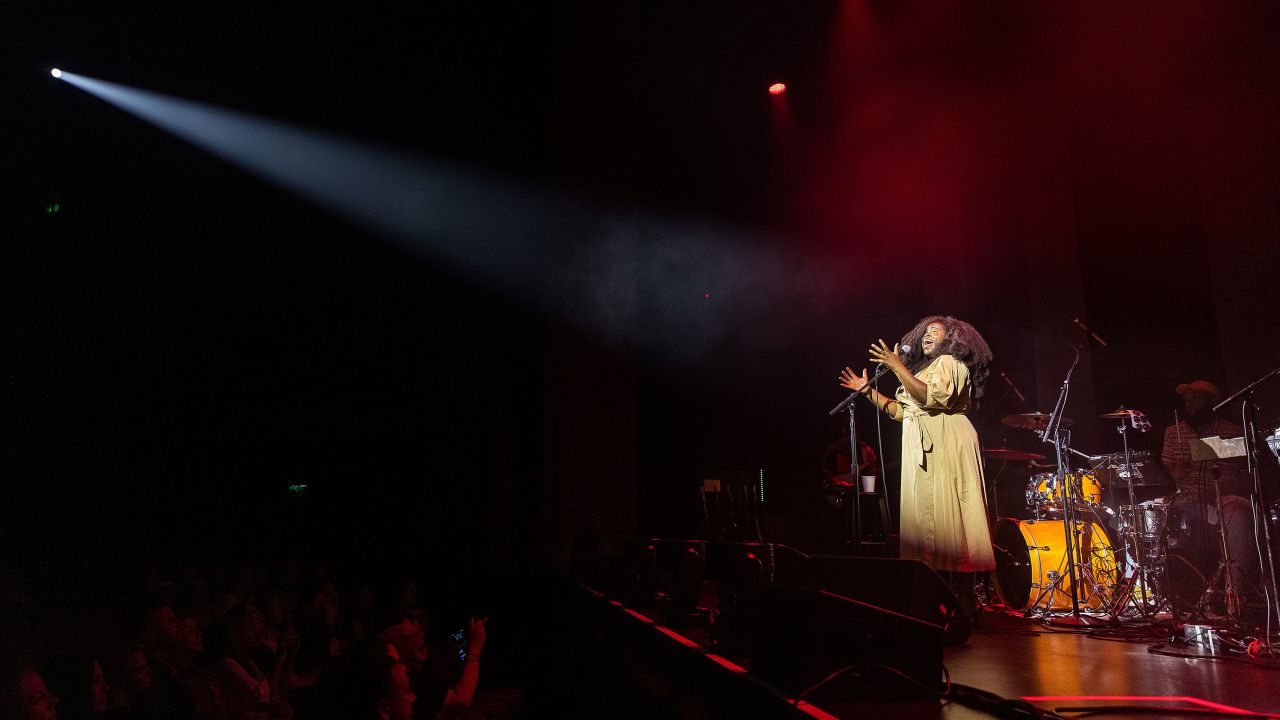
x=1195, y=478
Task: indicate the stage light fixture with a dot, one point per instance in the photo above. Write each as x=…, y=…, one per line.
x=56, y=72
x=777, y=88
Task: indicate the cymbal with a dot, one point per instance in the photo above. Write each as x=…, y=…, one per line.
x=1031, y=421
x=1011, y=455
x=1121, y=413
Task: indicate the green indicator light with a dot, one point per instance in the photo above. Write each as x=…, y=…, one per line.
x=298, y=489
x=52, y=208
x=761, y=484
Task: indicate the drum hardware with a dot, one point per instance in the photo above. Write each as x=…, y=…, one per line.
x=1030, y=570
x=1011, y=455
x=1045, y=493
x=1079, y=581
x=1136, y=417
x=1143, y=528
x=1033, y=421
x=1223, y=583
x=1141, y=471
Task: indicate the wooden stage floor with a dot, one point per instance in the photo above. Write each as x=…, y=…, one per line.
x=1128, y=671
x=1101, y=666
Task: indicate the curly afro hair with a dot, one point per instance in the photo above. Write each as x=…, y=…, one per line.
x=962, y=342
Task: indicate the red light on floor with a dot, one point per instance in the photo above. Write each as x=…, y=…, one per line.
x=777, y=89
x=637, y=615
x=725, y=663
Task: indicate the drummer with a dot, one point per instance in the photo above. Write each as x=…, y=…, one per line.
x=1195, y=482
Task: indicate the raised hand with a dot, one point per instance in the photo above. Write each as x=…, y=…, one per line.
x=476, y=635
x=881, y=353
x=851, y=381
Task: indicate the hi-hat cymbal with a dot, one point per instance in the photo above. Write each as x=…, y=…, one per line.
x=1031, y=421
x=1121, y=413
x=1014, y=455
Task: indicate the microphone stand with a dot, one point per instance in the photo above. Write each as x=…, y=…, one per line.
x=1249, y=410
x=855, y=456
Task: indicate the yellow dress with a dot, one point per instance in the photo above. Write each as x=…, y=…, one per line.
x=944, y=514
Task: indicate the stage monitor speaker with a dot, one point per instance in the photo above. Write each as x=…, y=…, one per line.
x=905, y=586
x=806, y=635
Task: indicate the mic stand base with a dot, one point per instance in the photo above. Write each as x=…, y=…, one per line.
x=1078, y=621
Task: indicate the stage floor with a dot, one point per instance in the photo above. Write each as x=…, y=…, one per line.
x=1130, y=671
x=1075, y=668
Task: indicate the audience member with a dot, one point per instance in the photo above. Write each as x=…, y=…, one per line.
x=80, y=686
x=129, y=677
x=24, y=696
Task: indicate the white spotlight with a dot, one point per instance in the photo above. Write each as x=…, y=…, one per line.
x=56, y=73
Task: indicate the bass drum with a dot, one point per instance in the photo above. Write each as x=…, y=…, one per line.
x=1031, y=554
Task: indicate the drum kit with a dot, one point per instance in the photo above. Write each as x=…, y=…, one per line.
x=1044, y=569
x=1063, y=563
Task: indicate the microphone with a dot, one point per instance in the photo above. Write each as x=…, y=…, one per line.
x=1013, y=387
x=1092, y=334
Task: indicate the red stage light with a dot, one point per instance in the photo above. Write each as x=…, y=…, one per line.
x=777, y=89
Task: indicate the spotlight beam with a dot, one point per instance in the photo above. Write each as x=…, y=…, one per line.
x=675, y=288
x=453, y=214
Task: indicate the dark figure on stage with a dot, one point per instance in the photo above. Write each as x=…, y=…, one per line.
x=943, y=520
x=837, y=469
x=834, y=531
x=1194, y=516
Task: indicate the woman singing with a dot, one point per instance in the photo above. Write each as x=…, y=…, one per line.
x=944, y=515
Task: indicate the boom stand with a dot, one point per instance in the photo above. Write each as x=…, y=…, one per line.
x=849, y=404
x=1250, y=413
x=1053, y=433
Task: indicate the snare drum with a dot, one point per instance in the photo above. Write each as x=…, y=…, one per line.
x=1031, y=554
x=1044, y=492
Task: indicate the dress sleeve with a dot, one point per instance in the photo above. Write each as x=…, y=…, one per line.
x=893, y=406
x=947, y=381
x=895, y=410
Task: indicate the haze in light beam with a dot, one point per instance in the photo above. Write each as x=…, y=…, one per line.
x=451, y=214
x=676, y=288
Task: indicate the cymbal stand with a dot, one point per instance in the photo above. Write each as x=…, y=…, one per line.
x=1133, y=541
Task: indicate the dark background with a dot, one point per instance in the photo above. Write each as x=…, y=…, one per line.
x=181, y=341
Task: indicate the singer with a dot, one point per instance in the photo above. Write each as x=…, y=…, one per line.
x=944, y=515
